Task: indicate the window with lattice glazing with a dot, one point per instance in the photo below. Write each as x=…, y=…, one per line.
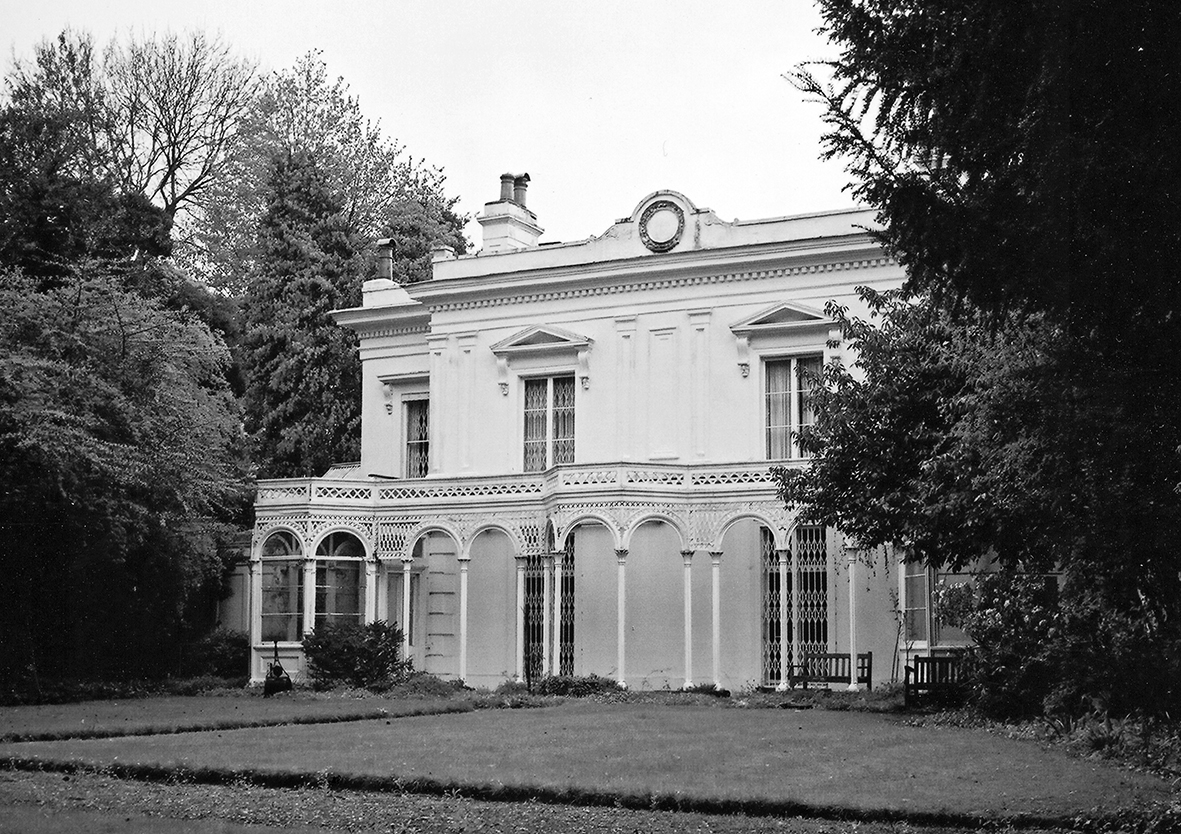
x=549, y=422
x=789, y=403
x=339, y=579
x=417, y=438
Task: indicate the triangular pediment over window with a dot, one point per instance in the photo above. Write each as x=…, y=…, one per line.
x=784, y=316
x=541, y=338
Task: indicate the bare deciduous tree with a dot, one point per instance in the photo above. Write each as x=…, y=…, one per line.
x=179, y=104
x=161, y=114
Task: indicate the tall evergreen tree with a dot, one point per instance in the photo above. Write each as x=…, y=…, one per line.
x=1021, y=161
x=303, y=374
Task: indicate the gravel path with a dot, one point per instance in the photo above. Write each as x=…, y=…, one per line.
x=79, y=800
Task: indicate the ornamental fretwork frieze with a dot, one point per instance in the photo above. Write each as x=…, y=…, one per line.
x=701, y=524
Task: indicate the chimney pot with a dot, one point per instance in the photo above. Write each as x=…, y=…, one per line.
x=506, y=186
x=520, y=185
x=385, y=258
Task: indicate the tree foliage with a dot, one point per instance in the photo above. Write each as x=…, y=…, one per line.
x=121, y=448
x=120, y=459
x=304, y=376
x=160, y=115
x=302, y=112
x=55, y=214
x=1019, y=397
x=1021, y=157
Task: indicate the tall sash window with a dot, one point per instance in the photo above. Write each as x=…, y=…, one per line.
x=549, y=422
x=789, y=403
x=417, y=438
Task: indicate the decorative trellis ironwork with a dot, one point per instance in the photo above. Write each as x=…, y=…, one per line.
x=565, y=569
x=811, y=547
x=811, y=543
x=773, y=603
x=534, y=616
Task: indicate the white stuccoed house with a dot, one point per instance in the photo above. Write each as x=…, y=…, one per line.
x=565, y=463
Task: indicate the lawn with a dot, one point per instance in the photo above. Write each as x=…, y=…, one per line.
x=818, y=761
x=168, y=714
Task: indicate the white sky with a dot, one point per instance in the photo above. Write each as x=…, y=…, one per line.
x=600, y=101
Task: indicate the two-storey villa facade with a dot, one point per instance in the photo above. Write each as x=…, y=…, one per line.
x=565, y=459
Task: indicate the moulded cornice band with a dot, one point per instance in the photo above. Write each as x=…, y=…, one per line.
x=657, y=284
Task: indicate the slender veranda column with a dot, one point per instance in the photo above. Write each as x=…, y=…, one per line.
x=786, y=660
x=687, y=558
x=797, y=638
x=715, y=559
x=852, y=563
x=520, y=619
x=407, y=563
x=621, y=637
x=370, y=590
x=309, y=596
x=256, y=664
x=463, y=564
x=547, y=617
x=556, y=656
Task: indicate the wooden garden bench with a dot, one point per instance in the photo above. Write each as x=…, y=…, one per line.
x=834, y=668
x=934, y=679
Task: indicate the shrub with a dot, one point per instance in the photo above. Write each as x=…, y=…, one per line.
x=1013, y=622
x=351, y=654
x=222, y=653
x=512, y=687
x=708, y=689
x=426, y=685
x=575, y=686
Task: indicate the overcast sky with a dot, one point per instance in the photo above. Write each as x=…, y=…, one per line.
x=601, y=102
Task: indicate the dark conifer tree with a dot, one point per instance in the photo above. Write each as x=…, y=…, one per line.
x=302, y=370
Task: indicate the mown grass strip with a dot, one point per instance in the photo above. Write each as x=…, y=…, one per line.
x=424, y=708
x=639, y=801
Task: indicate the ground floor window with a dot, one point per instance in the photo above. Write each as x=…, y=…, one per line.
x=405, y=619
x=915, y=598
x=282, y=589
x=340, y=569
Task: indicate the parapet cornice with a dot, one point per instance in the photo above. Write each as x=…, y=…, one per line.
x=641, y=283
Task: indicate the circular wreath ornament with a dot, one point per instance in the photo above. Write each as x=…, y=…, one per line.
x=661, y=225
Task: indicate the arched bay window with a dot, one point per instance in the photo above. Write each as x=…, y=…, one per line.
x=340, y=572
x=282, y=588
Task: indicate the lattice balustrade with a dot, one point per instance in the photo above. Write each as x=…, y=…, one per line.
x=663, y=477
x=590, y=477
x=484, y=490
x=267, y=492
x=324, y=492
x=741, y=477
